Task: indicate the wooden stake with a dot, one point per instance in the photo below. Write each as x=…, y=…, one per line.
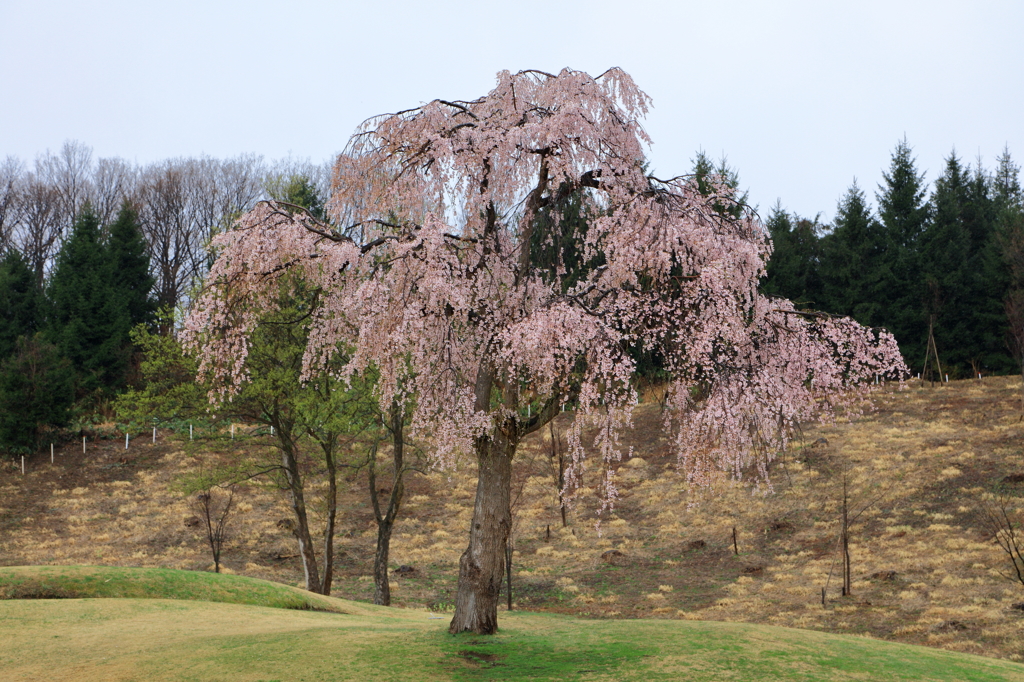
x=735, y=547
x=823, y=596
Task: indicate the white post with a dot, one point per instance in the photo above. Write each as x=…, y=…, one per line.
x=232, y=432
x=83, y=445
x=154, y=435
x=126, y=441
x=271, y=429
x=190, y=430
x=947, y=378
x=529, y=410
x=23, y=465
x=51, y=453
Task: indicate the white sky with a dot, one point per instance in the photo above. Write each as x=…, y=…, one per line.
x=801, y=95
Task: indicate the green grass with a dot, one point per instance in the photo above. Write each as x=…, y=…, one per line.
x=97, y=582
x=188, y=638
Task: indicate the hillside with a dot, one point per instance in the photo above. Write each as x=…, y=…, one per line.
x=925, y=569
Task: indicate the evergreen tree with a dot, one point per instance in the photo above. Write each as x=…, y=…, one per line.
x=793, y=270
x=704, y=171
x=130, y=275
x=99, y=290
x=36, y=391
x=853, y=267
x=21, y=302
x=1009, y=227
x=299, y=190
x=83, y=321
x=962, y=273
x=904, y=215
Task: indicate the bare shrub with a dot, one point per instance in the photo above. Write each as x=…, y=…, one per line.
x=213, y=506
x=1006, y=523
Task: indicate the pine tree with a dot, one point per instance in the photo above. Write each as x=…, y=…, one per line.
x=904, y=215
x=793, y=271
x=959, y=267
x=1009, y=227
x=21, y=302
x=131, y=303
x=704, y=171
x=36, y=391
x=854, y=271
x=83, y=321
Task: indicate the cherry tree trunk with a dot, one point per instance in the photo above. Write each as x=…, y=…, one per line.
x=482, y=565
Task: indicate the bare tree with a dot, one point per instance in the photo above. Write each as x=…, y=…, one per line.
x=12, y=173
x=1006, y=523
x=37, y=234
x=213, y=506
x=169, y=228
x=113, y=181
x=183, y=204
x=69, y=173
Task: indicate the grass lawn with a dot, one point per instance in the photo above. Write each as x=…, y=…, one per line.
x=192, y=636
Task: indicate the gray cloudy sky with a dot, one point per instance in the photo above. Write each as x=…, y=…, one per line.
x=801, y=95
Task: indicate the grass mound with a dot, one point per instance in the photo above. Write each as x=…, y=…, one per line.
x=89, y=640
x=92, y=582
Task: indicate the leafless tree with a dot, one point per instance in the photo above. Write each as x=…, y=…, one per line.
x=12, y=173
x=183, y=204
x=164, y=213
x=69, y=174
x=37, y=234
x=113, y=181
x=213, y=506
x=1006, y=523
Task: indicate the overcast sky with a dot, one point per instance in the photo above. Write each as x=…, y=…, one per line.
x=800, y=95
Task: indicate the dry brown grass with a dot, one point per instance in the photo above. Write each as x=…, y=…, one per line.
x=924, y=569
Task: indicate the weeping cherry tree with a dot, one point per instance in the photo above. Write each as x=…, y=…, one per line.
x=433, y=284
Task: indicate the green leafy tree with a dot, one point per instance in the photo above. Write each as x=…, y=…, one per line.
x=168, y=390
x=36, y=392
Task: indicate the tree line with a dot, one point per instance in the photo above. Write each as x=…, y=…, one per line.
x=180, y=204
x=89, y=251
x=940, y=267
